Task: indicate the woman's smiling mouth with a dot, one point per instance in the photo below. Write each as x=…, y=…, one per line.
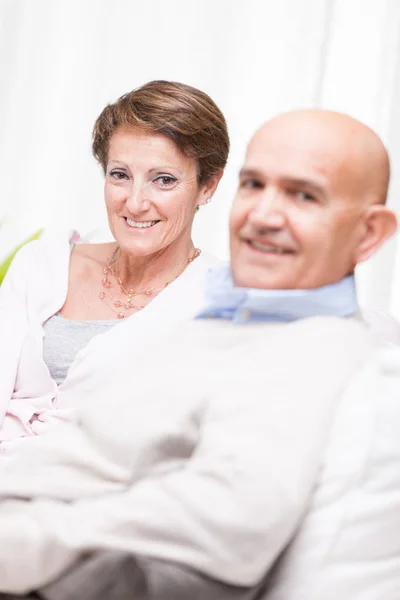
x=140, y=224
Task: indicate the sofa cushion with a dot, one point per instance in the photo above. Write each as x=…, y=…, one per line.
x=348, y=544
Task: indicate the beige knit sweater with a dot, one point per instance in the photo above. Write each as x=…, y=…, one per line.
x=204, y=452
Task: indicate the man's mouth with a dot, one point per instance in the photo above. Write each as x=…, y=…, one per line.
x=140, y=224
x=268, y=248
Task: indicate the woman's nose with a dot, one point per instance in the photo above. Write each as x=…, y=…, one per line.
x=137, y=200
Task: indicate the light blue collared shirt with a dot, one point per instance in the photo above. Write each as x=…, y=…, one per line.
x=241, y=305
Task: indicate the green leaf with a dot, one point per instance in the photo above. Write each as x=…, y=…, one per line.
x=5, y=265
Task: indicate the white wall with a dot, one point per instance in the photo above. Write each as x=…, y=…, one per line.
x=61, y=61
x=362, y=77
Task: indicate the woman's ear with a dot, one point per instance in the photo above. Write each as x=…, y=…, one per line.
x=380, y=225
x=208, y=189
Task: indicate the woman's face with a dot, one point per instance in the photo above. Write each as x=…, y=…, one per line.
x=151, y=192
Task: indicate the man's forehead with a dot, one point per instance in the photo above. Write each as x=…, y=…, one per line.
x=333, y=147
x=290, y=160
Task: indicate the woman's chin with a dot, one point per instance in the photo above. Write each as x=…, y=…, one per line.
x=140, y=242
x=138, y=249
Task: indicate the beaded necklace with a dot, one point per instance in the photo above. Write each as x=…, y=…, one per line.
x=110, y=272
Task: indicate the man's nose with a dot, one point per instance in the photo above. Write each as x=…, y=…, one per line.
x=269, y=210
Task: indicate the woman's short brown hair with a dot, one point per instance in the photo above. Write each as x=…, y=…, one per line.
x=182, y=113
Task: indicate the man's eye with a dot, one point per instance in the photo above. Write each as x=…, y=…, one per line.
x=251, y=184
x=305, y=197
x=118, y=175
x=165, y=181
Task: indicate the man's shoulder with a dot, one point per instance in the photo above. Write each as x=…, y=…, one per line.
x=342, y=341
x=319, y=328
x=383, y=326
x=322, y=330
x=316, y=338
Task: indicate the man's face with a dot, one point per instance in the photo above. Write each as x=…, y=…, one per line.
x=297, y=218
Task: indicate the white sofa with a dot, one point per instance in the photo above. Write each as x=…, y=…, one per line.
x=348, y=544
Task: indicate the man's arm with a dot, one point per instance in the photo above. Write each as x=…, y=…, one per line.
x=120, y=576
x=227, y=512
x=229, y=509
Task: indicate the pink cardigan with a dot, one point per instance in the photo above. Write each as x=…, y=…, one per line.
x=34, y=289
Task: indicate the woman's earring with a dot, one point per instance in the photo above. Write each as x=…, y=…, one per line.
x=206, y=202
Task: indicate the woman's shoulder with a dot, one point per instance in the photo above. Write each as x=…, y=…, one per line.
x=52, y=246
x=206, y=262
x=36, y=263
x=97, y=252
x=48, y=255
x=46, y=249
x=30, y=256
x=87, y=255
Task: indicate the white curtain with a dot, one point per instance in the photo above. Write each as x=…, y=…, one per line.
x=61, y=61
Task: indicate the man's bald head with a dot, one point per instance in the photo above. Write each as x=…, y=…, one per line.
x=310, y=204
x=357, y=149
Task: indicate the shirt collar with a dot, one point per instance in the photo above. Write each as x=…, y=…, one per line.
x=225, y=301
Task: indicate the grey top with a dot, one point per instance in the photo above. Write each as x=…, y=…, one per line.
x=63, y=338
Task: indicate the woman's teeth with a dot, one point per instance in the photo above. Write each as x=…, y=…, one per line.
x=140, y=224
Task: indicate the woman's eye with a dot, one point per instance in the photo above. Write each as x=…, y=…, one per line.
x=118, y=175
x=165, y=181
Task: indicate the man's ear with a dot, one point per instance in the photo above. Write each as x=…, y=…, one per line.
x=380, y=225
x=209, y=188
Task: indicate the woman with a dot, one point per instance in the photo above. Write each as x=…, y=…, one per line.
x=70, y=312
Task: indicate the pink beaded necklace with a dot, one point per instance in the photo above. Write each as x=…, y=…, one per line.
x=110, y=272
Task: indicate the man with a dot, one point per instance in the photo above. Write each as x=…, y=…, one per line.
x=203, y=459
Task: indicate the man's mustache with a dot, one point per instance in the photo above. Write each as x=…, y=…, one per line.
x=250, y=232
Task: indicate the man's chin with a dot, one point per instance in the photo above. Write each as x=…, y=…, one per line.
x=252, y=278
